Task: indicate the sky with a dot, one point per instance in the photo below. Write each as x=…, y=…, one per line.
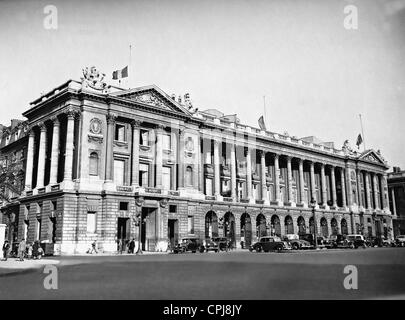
x=317, y=75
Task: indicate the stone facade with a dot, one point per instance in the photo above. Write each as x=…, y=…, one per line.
x=101, y=158
x=396, y=188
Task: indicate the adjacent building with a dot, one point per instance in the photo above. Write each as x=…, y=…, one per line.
x=396, y=186
x=100, y=160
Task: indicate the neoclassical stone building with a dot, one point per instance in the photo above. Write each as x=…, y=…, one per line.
x=99, y=156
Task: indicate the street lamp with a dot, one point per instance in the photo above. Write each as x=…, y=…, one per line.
x=313, y=205
x=138, y=222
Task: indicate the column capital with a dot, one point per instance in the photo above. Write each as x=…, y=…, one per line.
x=182, y=132
x=71, y=113
x=55, y=120
x=30, y=131
x=42, y=126
x=136, y=124
x=261, y=153
x=216, y=142
x=111, y=118
x=159, y=128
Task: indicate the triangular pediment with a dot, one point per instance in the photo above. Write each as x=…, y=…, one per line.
x=372, y=156
x=154, y=97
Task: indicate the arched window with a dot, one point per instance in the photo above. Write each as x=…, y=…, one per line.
x=93, y=165
x=189, y=176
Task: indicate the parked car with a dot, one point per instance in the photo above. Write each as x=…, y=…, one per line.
x=309, y=237
x=357, y=240
x=296, y=243
x=388, y=243
x=189, y=244
x=222, y=242
x=324, y=242
x=400, y=241
x=211, y=245
x=373, y=242
x=270, y=243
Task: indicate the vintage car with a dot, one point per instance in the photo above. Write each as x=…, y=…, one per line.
x=270, y=243
x=357, y=240
x=296, y=243
x=222, y=242
x=189, y=244
x=400, y=241
x=211, y=245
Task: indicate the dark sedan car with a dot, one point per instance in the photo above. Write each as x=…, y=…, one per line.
x=189, y=244
x=267, y=244
x=222, y=242
x=211, y=245
x=297, y=243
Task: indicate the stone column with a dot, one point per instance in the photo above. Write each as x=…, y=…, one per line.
x=41, y=156
x=159, y=156
x=394, y=205
x=302, y=182
x=349, y=187
x=323, y=182
x=332, y=177
x=385, y=192
x=342, y=181
x=55, y=151
x=30, y=160
x=289, y=180
x=375, y=191
x=312, y=173
x=249, y=174
x=233, y=173
x=135, y=124
x=263, y=175
x=109, y=156
x=359, y=202
x=181, y=158
x=217, y=174
x=277, y=178
x=368, y=191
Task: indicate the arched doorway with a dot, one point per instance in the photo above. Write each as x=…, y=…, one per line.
x=334, y=226
x=288, y=224
x=261, y=230
x=301, y=225
x=211, y=225
x=324, y=227
x=311, y=225
x=229, y=227
x=275, y=226
x=246, y=229
x=343, y=227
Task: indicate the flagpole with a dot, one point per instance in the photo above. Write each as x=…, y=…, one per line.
x=265, y=115
x=362, y=132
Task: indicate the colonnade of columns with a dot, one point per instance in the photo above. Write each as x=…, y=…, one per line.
x=54, y=155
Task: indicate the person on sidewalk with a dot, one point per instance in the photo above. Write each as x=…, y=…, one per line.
x=131, y=246
x=35, y=249
x=21, y=249
x=93, y=247
x=6, y=248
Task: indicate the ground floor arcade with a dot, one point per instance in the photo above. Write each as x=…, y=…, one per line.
x=72, y=221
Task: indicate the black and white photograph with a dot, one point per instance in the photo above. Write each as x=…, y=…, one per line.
x=202, y=154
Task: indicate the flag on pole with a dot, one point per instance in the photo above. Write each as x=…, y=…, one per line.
x=118, y=74
x=359, y=141
x=262, y=124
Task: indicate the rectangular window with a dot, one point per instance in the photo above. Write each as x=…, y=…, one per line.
x=38, y=231
x=144, y=137
x=166, y=177
x=172, y=208
x=190, y=223
x=208, y=186
x=124, y=206
x=119, y=172
x=120, y=132
x=167, y=142
x=91, y=222
x=143, y=175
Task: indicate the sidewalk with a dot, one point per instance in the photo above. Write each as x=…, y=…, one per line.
x=13, y=265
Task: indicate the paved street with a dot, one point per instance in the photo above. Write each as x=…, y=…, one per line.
x=236, y=275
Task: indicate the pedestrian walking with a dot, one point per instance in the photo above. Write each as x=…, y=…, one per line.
x=6, y=248
x=93, y=247
x=21, y=249
x=132, y=246
x=35, y=248
x=29, y=250
x=119, y=249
